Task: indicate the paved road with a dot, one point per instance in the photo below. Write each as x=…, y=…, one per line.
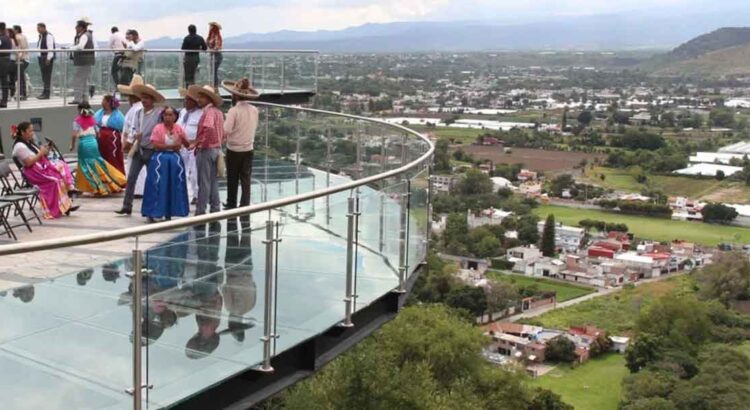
x=601, y=292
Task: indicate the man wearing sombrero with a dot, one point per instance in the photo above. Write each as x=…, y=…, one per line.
x=190, y=116
x=147, y=118
x=207, y=146
x=239, y=133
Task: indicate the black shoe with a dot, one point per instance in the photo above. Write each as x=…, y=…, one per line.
x=43, y=97
x=73, y=103
x=152, y=220
x=24, y=98
x=194, y=201
x=3, y=105
x=72, y=209
x=123, y=211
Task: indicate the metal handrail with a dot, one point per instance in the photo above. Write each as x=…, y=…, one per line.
x=50, y=244
x=159, y=50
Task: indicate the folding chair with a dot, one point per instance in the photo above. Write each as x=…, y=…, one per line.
x=5, y=208
x=19, y=201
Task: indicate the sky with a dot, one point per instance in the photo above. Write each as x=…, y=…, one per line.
x=155, y=19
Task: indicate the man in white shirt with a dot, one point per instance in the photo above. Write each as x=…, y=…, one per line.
x=129, y=129
x=83, y=60
x=239, y=134
x=117, y=42
x=46, y=60
x=190, y=116
x=133, y=56
x=22, y=44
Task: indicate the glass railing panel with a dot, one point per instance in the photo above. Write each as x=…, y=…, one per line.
x=418, y=219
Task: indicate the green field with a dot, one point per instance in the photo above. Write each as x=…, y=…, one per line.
x=594, y=385
x=565, y=291
x=694, y=188
x=656, y=229
x=615, y=313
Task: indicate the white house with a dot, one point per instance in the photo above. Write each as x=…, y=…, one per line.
x=567, y=238
x=619, y=343
x=523, y=257
x=548, y=267
x=489, y=216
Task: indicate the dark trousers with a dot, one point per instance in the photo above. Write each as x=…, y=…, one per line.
x=12, y=77
x=126, y=75
x=4, y=79
x=216, y=60
x=191, y=66
x=239, y=170
x=46, y=70
x=115, y=70
x=22, y=79
x=140, y=159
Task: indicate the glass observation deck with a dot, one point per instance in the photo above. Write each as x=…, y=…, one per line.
x=108, y=312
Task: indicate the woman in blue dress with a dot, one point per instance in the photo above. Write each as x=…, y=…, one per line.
x=165, y=193
x=94, y=175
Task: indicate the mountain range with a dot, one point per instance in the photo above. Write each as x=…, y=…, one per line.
x=722, y=52
x=593, y=32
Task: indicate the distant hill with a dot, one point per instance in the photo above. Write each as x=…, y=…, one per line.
x=716, y=40
x=633, y=30
x=722, y=52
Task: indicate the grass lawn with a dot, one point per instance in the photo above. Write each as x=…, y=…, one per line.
x=710, y=189
x=565, y=291
x=652, y=228
x=615, y=313
x=594, y=385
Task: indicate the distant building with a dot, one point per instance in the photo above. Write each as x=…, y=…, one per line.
x=488, y=216
x=567, y=238
x=523, y=257
x=444, y=183
x=526, y=175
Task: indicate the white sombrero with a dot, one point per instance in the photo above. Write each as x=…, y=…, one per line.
x=141, y=91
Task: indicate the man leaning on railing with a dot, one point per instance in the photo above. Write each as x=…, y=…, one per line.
x=46, y=60
x=82, y=60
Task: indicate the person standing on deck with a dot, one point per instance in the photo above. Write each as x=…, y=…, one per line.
x=190, y=116
x=239, y=132
x=191, y=60
x=215, y=44
x=83, y=61
x=5, y=45
x=133, y=56
x=208, y=147
x=147, y=118
x=117, y=42
x=46, y=60
x=23, y=57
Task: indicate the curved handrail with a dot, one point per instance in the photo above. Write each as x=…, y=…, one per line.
x=49, y=244
x=159, y=50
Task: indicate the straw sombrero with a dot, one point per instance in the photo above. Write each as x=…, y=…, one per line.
x=184, y=92
x=128, y=89
x=208, y=91
x=141, y=91
x=241, y=89
x=213, y=23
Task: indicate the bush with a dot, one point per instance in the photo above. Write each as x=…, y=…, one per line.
x=502, y=264
x=561, y=349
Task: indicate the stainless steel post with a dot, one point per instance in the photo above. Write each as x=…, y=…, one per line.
x=329, y=162
x=268, y=324
x=360, y=169
x=317, y=59
x=349, y=299
x=265, y=185
x=297, y=163
x=263, y=73
x=403, y=150
x=137, y=391
x=65, y=80
x=383, y=153
x=283, y=81
x=18, y=80
x=403, y=261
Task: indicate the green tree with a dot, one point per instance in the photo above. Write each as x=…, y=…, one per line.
x=475, y=182
x=456, y=228
x=544, y=399
x=469, y=298
x=548, y=236
x=726, y=280
x=560, y=349
x=653, y=403
x=721, y=117
x=719, y=213
x=681, y=321
x=644, y=350
x=501, y=295
x=585, y=118
x=427, y=358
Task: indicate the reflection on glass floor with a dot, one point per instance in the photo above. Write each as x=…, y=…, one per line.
x=203, y=310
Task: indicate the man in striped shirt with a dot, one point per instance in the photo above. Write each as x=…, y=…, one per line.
x=207, y=146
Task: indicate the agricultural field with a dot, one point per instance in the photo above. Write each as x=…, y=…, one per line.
x=615, y=313
x=534, y=159
x=594, y=385
x=657, y=229
x=703, y=189
x=565, y=291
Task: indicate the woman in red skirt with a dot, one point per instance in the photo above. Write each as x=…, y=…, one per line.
x=109, y=121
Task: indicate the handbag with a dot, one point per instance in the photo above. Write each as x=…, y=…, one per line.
x=221, y=166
